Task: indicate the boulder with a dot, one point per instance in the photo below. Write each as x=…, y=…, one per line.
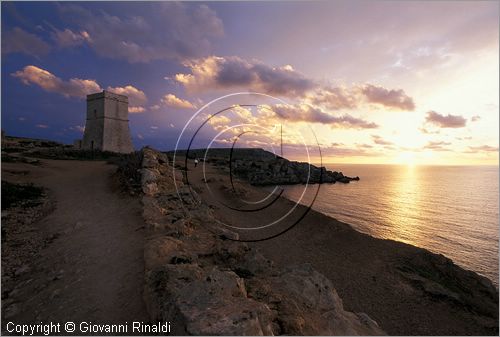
x=307, y=304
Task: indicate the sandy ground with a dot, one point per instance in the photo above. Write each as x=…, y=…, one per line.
x=93, y=271
x=364, y=270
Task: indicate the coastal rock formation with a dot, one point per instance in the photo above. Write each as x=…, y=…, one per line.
x=438, y=277
x=207, y=285
x=280, y=171
x=260, y=167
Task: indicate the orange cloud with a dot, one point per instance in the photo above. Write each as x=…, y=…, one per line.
x=75, y=87
x=173, y=101
x=136, y=97
x=136, y=109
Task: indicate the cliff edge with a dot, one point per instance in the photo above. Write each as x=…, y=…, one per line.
x=205, y=284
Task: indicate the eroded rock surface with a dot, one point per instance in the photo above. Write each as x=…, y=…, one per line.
x=206, y=284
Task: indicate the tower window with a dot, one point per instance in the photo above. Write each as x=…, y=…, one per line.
x=95, y=113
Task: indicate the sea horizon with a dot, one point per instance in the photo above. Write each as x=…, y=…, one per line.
x=448, y=228
x=250, y=168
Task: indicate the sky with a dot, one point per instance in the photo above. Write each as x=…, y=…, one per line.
x=383, y=82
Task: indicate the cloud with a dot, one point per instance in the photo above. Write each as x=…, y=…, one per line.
x=75, y=87
x=234, y=72
x=136, y=109
x=437, y=146
x=219, y=122
x=168, y=30
x=380, y=141
x=334, y=98
x=19, y=41
x=364, y=146
x=389, y=98
x=42, y=126
x=136, y=97
x=475, y=118
x=483, y=148
x=448, y=121
x=308, y=113
x=429, y=132
x=173, y=101
x=67, y=38
x=80, y=128
x=348, y=152
x=341, y=97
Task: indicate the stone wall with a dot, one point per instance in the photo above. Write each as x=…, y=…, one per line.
x=206, y=285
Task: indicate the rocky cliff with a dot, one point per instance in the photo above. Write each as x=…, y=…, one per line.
x=260, y=167
x=280, y=171
x=204, y=284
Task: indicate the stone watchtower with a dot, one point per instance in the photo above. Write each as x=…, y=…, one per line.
x=107, y=128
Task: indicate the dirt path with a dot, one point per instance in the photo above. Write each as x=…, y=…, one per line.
x=93, y=271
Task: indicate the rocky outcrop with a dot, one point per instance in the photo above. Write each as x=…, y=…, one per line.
x=260, y=167
x=205, y=284
x=280, y=171
x=437, y=276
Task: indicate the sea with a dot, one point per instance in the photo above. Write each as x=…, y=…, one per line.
x=451, y=210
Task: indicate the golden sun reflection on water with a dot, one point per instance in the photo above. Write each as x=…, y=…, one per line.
x=451, y=210
x=403, y=195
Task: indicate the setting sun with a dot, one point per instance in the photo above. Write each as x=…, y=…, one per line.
x=406, y=158
x=267, y=168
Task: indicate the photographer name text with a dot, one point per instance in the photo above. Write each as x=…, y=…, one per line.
x=47, y=329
